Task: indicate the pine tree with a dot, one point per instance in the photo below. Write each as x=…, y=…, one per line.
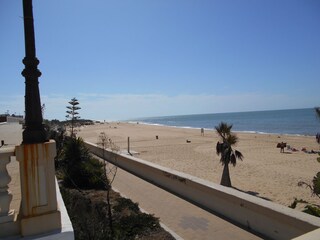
x=72, y=114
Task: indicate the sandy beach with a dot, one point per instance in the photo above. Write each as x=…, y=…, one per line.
x=264, y=172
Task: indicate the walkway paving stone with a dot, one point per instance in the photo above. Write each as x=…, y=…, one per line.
x=185, y=219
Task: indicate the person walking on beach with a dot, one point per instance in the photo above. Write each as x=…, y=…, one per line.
x=202, y=132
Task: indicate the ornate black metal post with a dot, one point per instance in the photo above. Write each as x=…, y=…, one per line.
x=34, y=131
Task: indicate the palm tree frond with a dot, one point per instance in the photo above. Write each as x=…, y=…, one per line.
x=223, y=129
x=232, y=139
x=238, y=155
x=222, y=161
x=219, y=148
x=233, y=159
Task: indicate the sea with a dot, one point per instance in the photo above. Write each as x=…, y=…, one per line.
x=291, y=121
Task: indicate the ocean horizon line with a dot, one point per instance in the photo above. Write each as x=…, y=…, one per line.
x=301, y=121
x=210, y=129
x=191, y=114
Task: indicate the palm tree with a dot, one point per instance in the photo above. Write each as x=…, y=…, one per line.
x=224, y=149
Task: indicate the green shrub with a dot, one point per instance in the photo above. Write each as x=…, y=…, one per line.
x=80, y=169
x=313, y=210
x=136, y=224
x=295, y=202
x=316, y=184
x=125, y=203
x=88, y=212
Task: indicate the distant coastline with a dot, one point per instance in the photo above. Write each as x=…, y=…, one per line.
x=291, y=121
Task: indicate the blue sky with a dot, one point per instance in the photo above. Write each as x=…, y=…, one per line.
x=138, y=58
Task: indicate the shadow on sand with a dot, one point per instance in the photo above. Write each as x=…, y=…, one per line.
x=256, y=194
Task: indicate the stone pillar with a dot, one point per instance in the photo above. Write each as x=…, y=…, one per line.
x=8, y=226
x=39, y=210
x=6, y=214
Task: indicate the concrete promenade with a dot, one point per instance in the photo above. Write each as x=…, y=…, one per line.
x=183, y=218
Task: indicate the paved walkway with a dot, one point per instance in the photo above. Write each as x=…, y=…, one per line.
x=185, y=219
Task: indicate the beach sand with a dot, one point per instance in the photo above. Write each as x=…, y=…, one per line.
x=264, y=171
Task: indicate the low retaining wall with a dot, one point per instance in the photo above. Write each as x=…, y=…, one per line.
x=3, y=119
x=10, y=119
x=262, y=217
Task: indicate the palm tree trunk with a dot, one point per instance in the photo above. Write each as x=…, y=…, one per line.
x=225, y=179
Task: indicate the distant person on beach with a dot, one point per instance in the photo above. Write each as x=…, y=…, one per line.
x=281, y=145
x=202, y=132
x=318, y=138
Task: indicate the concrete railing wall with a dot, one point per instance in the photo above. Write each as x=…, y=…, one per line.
x=262, y=217
x=10, y=119
x=34, y=219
